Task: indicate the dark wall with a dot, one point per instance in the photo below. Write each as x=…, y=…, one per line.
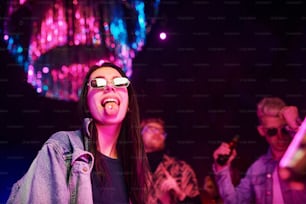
x=219, y=60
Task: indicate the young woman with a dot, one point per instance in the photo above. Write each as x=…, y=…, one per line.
x=104, y=161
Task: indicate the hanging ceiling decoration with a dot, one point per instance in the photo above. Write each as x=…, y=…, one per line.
x=56, y=41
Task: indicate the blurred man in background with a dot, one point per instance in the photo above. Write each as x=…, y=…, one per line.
x=262, y=185
x=173, y=180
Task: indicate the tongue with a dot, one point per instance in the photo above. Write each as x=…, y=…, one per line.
x=111, y=108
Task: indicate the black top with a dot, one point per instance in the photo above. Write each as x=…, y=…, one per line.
x=113, y=189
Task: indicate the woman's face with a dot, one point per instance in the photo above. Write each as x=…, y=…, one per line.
x=107, y=105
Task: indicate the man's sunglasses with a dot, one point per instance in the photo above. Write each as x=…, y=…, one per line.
x=273, y=131
x=101, y=83
x=154, y=130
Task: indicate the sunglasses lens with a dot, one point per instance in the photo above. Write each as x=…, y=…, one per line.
x=98, y=83
x=121, y=82
x=117, y=82
x=154, y=130
x=285, y=131
x=271, y=131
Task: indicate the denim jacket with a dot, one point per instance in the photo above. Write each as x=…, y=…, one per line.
x=60, y=173
x=257, y=186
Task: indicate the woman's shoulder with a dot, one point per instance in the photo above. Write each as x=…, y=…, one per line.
x=65, y=136
x=67, y=140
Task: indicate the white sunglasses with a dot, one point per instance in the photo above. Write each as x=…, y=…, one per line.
x=101, y=83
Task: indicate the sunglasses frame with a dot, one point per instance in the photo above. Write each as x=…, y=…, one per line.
x=271, y=132
x=154, y=130
x=101, y=83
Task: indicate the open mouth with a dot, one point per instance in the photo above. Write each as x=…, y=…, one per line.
x=110, y=100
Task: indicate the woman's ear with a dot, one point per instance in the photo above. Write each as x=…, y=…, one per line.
x=261, y=130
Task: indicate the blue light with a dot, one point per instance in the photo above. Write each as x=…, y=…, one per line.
x=140, y=32
x=45, y=88
x=118, y=30
x=19, y=49
x=20, y=59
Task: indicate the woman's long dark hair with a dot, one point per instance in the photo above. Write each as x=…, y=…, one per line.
x=129, y=145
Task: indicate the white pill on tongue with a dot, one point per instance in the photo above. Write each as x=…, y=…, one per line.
x=111, y=108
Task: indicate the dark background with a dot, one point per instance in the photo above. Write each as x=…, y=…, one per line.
x=219, y=60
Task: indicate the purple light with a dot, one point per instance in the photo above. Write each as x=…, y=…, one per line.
x=5, y=37
x=162, y=35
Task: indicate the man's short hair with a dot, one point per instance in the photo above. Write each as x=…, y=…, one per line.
x=144, y=122
x=269, y=106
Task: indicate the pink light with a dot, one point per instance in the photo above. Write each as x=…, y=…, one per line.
x=45, y=70
x=162, y=35
x=100, y=62
x=49, y=37
x=291, y=156
x=30, y=73
x=22, y=1
x=5, y=37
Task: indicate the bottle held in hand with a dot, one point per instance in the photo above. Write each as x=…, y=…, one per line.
x=222, y=159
